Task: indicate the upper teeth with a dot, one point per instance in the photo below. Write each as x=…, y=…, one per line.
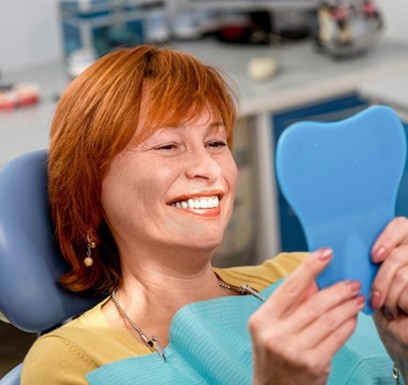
x=200, y=203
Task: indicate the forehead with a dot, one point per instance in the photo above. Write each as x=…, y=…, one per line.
x=149, y=124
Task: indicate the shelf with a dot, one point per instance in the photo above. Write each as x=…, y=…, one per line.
x=252, y=4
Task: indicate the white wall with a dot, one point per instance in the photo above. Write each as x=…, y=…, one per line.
x=30, y=30
x=29, y=33
x=395, y=15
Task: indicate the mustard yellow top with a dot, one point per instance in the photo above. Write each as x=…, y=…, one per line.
x=65, y=355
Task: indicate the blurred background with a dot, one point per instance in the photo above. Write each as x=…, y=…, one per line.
x=289, y=60
x=30, y=30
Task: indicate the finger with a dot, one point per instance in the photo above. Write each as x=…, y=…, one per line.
x=395, y=233
x=403, y=300
x=387, y=272
x=312, y=289
x=293, y=289
x=392, y=331
x=327, y=324
x=316, y=306
x=318, y=359
x=394, y=295
x=292, y=345
x=334, y=341
x=379, y=319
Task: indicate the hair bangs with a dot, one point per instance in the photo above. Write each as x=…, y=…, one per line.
x=178, y=90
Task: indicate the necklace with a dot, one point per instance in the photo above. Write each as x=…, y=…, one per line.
x=152, y=342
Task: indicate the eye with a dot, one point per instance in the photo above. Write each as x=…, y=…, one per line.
x=166, y=147
x=217, y=144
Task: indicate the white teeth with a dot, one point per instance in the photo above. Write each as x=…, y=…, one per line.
x=199, y=203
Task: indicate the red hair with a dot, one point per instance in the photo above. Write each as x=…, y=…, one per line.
x=95, y=119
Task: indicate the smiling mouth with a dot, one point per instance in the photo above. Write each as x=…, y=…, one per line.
x=198, y=203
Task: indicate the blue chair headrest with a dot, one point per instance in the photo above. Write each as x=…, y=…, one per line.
x=30, y=261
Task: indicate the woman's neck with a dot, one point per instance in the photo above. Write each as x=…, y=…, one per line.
x=151, y=292
x=153, y=283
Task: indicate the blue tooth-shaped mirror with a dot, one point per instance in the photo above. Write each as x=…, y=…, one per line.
x=341, y=179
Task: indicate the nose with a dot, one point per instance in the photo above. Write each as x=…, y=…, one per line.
x=202, y=164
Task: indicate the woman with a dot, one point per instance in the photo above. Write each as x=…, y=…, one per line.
x=141, y=186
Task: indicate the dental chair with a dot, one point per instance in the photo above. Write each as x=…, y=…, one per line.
x=30, y=261
x=308, y=167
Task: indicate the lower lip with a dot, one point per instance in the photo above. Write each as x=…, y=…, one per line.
x=207, y=213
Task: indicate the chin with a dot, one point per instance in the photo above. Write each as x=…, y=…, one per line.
x=207, y=246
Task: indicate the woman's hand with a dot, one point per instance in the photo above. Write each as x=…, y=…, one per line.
x=296, y=333
x=390, y=291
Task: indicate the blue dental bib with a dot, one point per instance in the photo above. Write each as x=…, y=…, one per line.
x=210, y=344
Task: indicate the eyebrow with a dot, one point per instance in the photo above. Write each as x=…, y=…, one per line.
x=215, y=125
x=212, y=126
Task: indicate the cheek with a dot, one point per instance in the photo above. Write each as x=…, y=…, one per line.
x=113, y=199
x=231, y=174
x=120, y=192
x=155, y=183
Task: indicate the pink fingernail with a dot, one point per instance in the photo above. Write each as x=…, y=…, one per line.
x=359, y=300
x=375, y=299
x=379, y=254
x=355, y=286
x=324, y=254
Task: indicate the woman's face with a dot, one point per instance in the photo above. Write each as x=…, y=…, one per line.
x=176, y=188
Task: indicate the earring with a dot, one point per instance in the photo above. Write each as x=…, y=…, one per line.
x=88, y=260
